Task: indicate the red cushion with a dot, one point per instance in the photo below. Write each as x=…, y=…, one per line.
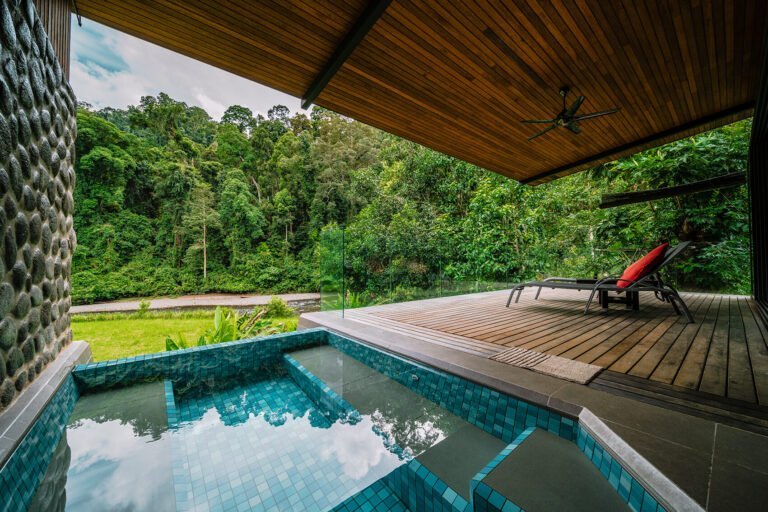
x=643, y=266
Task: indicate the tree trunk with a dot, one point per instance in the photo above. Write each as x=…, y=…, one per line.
x=205, y=254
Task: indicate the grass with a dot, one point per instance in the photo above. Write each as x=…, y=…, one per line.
x=116, y=335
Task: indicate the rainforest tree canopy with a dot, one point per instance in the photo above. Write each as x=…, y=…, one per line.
x=169, y=201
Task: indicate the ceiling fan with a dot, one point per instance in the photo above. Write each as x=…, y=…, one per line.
x=567, y=117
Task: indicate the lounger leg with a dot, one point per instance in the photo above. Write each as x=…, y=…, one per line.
x=537, y=294
x=683, y=306
x=589, y=302
x=668, y=298
x=518, y=296
x=511, y=294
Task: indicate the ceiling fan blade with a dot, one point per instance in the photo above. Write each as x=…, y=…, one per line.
x=574, y=127
x=538, y=121
x=542, y=132
x=596, y=114
x=574, y=106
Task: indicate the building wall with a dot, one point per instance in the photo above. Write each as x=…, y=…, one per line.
x=37, y=144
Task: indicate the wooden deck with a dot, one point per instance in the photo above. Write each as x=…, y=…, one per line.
x=723, y=354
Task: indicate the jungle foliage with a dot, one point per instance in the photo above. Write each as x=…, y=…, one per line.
x=169, y=201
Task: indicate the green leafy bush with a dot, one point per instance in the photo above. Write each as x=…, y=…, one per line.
x=277, y=308
x=228, y=325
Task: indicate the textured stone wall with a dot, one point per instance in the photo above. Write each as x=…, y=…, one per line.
x=37, y=144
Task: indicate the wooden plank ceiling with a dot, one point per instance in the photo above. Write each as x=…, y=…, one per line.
x=459, y=76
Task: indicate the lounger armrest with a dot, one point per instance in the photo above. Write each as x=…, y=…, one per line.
x=613, y=280
x=568, y=280
x=646, y=282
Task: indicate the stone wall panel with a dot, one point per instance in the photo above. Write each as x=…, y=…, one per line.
x=37, y=133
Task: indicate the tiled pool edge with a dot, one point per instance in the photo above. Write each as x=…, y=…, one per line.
x=413, y=481
x=19, y=417
x=668, y=495
x=435, y=384
x=196, y=363
x=171, y=410
x=26, y=466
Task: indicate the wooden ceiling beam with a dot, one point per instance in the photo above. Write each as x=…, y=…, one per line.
x=733, y=179
x=364, y=24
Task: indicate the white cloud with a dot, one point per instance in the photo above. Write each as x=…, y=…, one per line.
x=113, y=69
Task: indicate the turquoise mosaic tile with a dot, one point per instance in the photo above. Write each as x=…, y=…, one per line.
x=170, y=405
x=25, y=468
x=496, y=413
x=422, y=490
x=484, y=498
x=204, y=479
x=263, y=445
x=631, y=490
x=377, y=497
x=327, y=400
x=501, y=415
x=198, y=363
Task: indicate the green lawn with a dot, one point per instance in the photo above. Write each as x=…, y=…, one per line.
x=128, y=336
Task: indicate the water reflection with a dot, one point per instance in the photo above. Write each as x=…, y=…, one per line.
x=266, y=440
x=114, y=455
x=132, y=472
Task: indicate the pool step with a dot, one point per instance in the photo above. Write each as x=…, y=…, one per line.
x=449, y=451
x=459, y=457
x=328, y=402
x=540, y=471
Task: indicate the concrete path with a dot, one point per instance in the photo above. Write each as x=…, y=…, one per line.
x=196, y=302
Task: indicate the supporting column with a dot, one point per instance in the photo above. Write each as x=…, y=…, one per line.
x=758, y=187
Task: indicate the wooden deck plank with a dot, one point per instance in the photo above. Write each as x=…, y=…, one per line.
x=692, y=365
x=724, y=353
x=653, y=356
x=673, y=359
x=626, y=362
x=741, y=384
x=617, y=338
x=713, y=378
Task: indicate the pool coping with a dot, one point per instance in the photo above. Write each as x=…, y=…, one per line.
x=541, y=390
x=18, y=418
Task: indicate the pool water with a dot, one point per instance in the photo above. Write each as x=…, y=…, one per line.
x=255, y=442
x=263, y=443
x=115, y=443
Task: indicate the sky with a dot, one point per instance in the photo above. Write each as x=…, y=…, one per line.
x=112, y=69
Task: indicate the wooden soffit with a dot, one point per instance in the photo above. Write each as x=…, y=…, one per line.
x=459, y=76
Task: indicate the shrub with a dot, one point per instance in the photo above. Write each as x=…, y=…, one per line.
x=278, y=308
